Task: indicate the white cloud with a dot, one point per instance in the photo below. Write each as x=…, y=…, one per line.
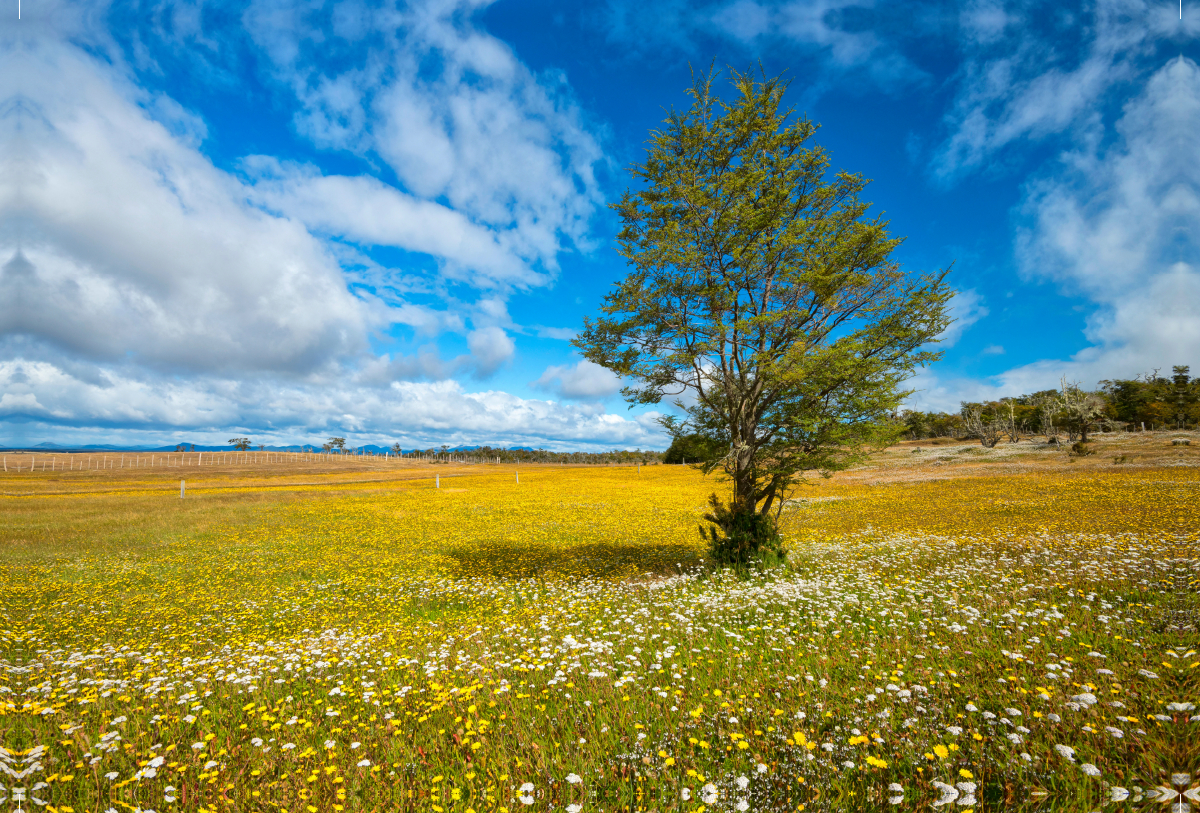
x=561, y=333
x=490, y=348
x=817, y=26
x=965, y=309
x=1116, y=225
x=985, y=21
x=1119, y=227
x=583, y=381
x=1019, y=82
x=448, y=107
x=938, y=393
x=414, y=413
x=120, y=241
x=143, y=288
x=369, y=212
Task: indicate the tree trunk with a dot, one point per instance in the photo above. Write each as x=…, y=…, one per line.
x=743, y=483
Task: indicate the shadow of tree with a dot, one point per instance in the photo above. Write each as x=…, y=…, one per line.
x=565, y=559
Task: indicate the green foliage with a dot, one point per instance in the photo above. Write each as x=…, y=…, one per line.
x=759, y=287
x=241, y=444
x=919, y=424
x=1081, y=449
x=1157, y=401
x=741, y=538
x=691, y=448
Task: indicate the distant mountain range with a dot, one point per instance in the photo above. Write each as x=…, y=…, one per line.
x=105, y=447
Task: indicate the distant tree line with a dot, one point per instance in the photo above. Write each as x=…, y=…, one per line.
x=1150, y=400
x=487, y=454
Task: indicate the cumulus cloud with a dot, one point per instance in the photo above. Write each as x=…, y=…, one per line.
x=1116, y=225
x=933, y=392
x=143, y=285
x=40, y=397
x=1119, y=227
x=122, y=242
x=490, y=348
x=450, y=109
x=583, y=381
x=367, y=211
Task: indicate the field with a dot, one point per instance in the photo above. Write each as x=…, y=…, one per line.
x=969, y=628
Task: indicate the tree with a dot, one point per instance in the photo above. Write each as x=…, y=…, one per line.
x=1083, y=409
x=1047, y=404
x=1186, y=396
x=695, y=448
x=760, y=289
x=241, y=444
x=981, y=425
x=1008, y=420
x=396, y=448
x=336, y=443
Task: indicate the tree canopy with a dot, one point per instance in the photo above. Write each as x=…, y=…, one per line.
x=762, y=298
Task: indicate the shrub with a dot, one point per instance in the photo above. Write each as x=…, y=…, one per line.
x=741, y=539
x=696, y=448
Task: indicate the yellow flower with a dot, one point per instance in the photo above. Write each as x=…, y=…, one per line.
x=965, y=774
x=941, y=751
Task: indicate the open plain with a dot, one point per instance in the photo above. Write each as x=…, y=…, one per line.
x=956, y=626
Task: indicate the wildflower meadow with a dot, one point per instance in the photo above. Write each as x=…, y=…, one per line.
x=965, y=628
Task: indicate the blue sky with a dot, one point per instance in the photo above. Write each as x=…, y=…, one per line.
x=386, y=220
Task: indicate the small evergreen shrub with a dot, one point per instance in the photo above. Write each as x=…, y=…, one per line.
x=741, y=539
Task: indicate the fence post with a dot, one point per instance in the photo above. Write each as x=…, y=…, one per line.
x=181, y=488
